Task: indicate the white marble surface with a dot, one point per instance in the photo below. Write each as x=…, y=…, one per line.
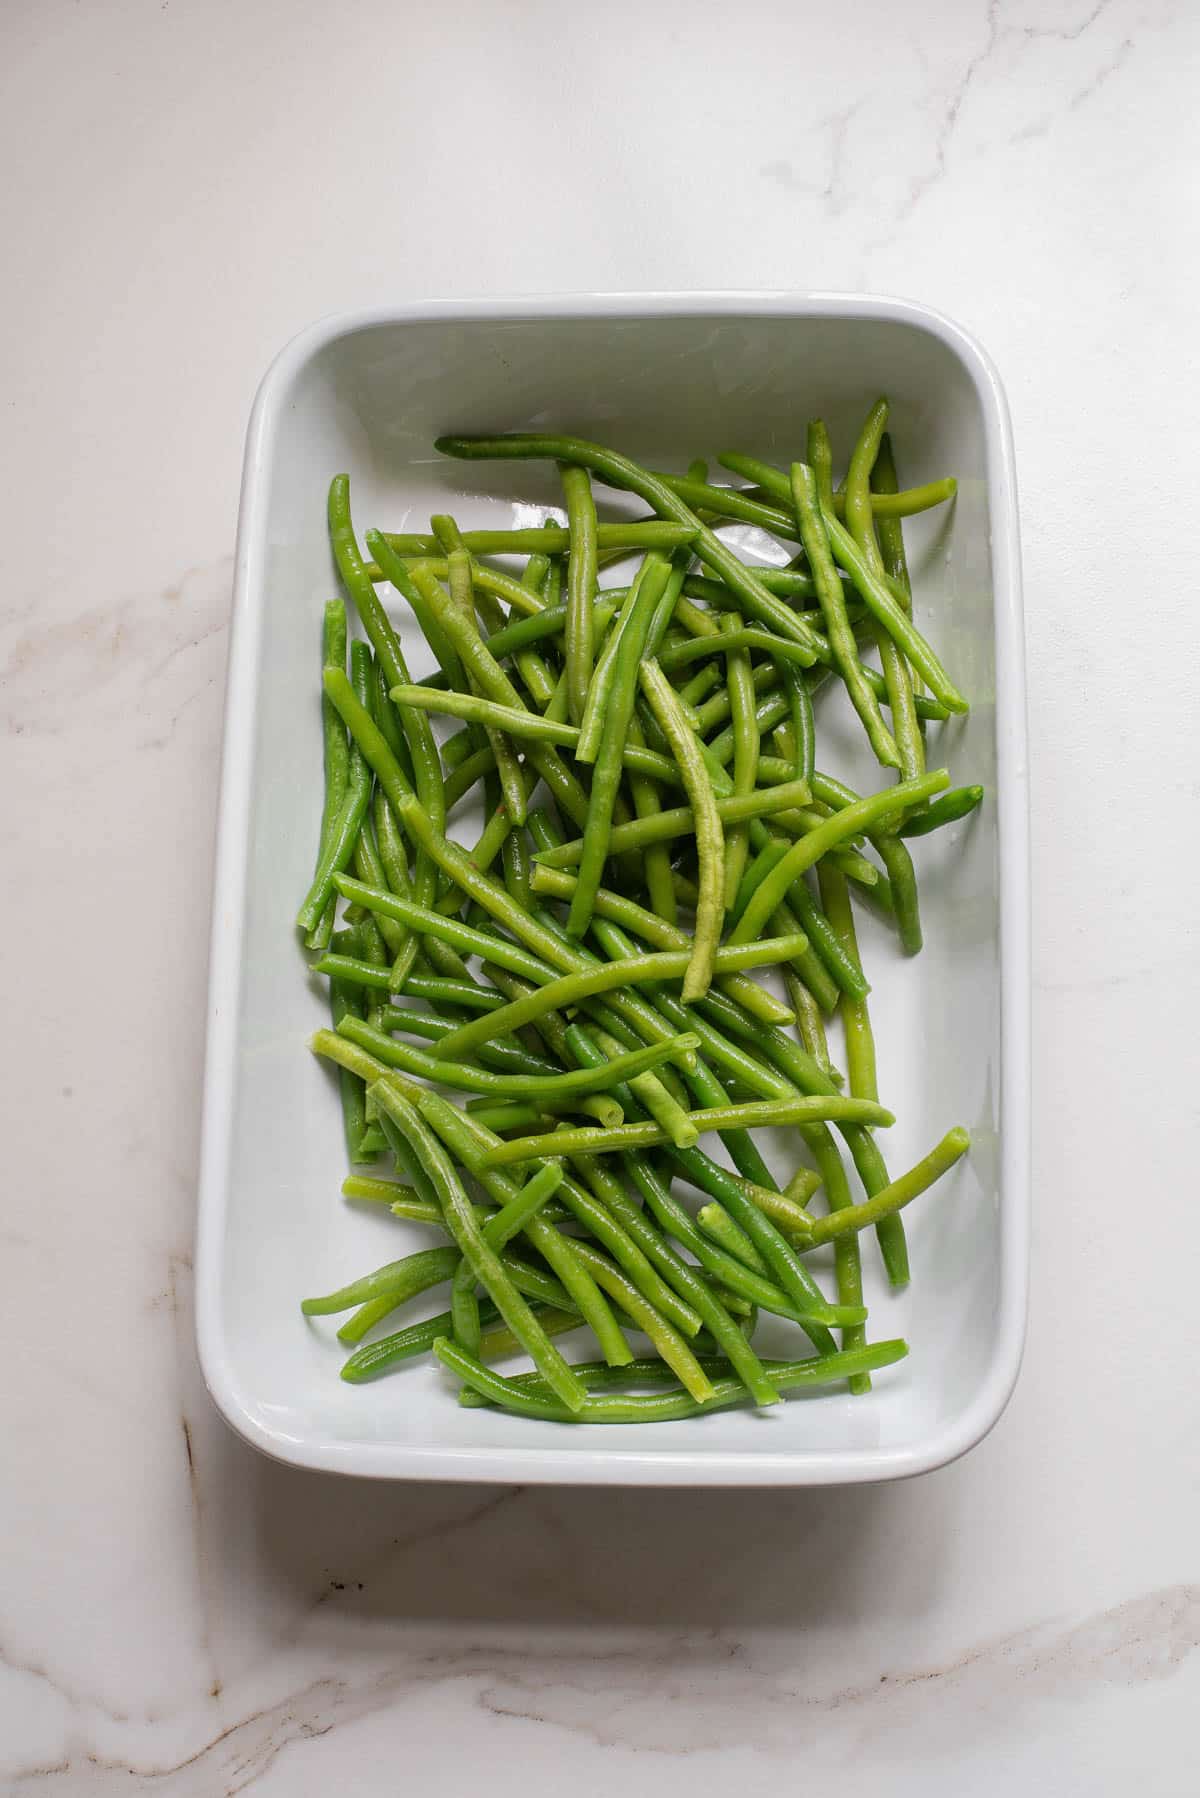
x=189, y=184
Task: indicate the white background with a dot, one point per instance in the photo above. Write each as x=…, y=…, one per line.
x=186, y=186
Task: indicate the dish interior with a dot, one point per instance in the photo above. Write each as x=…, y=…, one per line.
x=664, y=389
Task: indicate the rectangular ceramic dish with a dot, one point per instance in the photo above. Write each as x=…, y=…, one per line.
x=664, y=378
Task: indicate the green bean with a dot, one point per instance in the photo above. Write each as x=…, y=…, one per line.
x=901, y=888
x=539, y=1086
x=336, y=754
x=485, y=1263
x=710, y=840
x=860, y=521
x=506, y=1115
x=729, y=502
x=901, y=699
x=610, y=756
x=773, y=706
x=495, y=833
x=343, y=1002
x=656, y=857
x=651, y=1091
x=801, y=911
x=360, y=1322
x=662, y=1407
x=597, y=1376
x=716, y=1223
x=847, y=1261
x=591, y=722
x=368, y=737
x=507, y=1222
x=882, y=603
x=802, y=1109
x=508, y=765
x=385, y=643
x=679, y=655
x=898, y=1193
x=515, y=860
x=534, y=671
x=785, y=583
x=803, y=727
x=375, y=1358
x=799, y=1072
x=744, y=724
x=512, y=1217
x=368, y=867
x=856, y=1019
x=499, y=1341
x=581, y=585
x=463, y=993
x=347, y=1055
x=862, y=815
x=389, y=1192
x=619, y=471
x=819, y=452
x=590, y=980
x=518, y=637
x=352, y=972
x=339, y=844
x=467, y=774
x=398, y=1280
x=386, y=717
x=887, y=503
x=860, y=1065
x=538, y=729
x=460, y=936
x=413, y=584
x=506, y=1054
x=641, y=1313
x=810, y=1025
x=392, y=854
x=960, y=802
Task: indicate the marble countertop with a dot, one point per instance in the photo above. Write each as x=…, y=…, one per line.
x=196, y=182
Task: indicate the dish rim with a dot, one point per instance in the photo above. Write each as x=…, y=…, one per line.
x=606, y=1466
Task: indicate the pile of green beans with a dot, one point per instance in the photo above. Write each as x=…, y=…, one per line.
x=629, y=975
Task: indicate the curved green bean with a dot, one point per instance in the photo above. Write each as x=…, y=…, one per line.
x=958, y=803
x=619, y=471
x=886, y=503
x=541, y=1087
x=590, y=981
x=819, y=1370
x=863, y=815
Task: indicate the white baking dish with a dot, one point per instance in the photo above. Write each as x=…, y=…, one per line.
x=664, y=378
